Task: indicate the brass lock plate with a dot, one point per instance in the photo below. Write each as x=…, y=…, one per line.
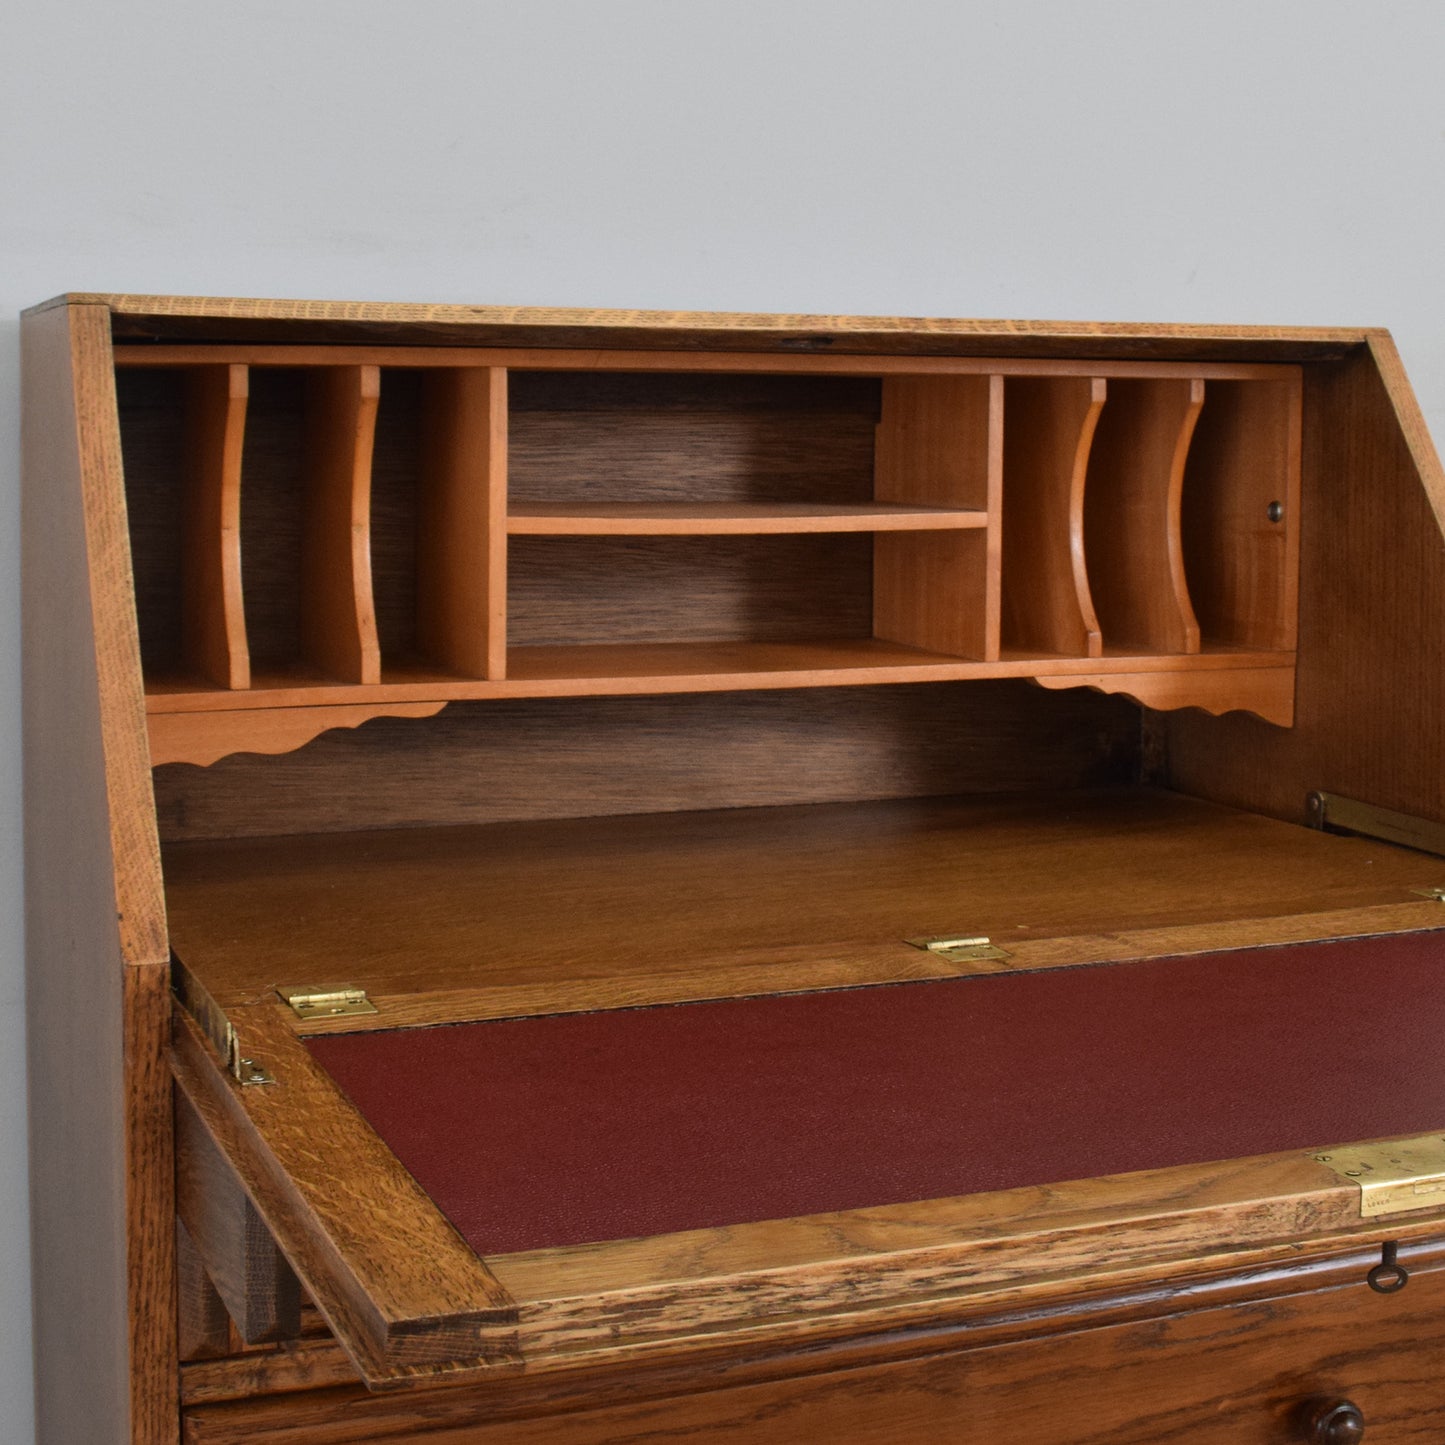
x=1394, y=1177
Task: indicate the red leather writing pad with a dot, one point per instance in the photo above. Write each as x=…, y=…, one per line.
x=571, y=1128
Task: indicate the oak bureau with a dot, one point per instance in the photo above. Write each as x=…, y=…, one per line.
x=601, y=876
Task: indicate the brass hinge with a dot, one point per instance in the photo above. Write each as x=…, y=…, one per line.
x=962, y=950
x=1394, y=1177
x=336, y=1000
x=1348, y=815
x=218, y=1029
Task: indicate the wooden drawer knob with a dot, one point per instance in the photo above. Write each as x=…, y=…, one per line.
x=1333, y=1422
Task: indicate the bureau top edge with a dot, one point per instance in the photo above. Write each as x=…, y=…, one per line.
x=139, y=318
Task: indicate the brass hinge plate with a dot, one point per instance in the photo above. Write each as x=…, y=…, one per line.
x=217, y=1028
x=962, y=950
x=337, y=1000
x=1348, y=815
x=1394, y=1177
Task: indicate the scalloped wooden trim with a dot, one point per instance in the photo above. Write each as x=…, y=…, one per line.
x=1268, y=692
x=206, y=737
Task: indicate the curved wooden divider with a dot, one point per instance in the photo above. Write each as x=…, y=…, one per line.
x=214, y=623
x=338, y=619
x=1050, y=424
x=1241, y=513
x=1132, y=509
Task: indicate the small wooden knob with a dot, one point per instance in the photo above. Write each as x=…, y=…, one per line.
x=1333, y=1422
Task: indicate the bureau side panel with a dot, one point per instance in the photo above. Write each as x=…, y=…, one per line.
x=95, y=928
x=1370, y=700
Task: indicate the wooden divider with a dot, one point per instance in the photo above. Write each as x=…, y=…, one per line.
x=1047, y=605
x=338, y=621
x=940, y=441
x=1241, y=513
x=213, y=623
x=1132, y=544
x=462, y=523
x=1023, y=523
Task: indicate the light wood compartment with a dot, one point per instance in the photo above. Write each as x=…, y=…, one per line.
x=1150, y=515
x=353, y=536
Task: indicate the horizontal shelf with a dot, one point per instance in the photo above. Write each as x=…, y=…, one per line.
x=599, y=668
x=665, y=519
x=194, y=722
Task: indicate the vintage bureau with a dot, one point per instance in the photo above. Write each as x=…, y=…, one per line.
x=607, y=877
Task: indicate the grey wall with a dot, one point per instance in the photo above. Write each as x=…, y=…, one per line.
x=1227, y=161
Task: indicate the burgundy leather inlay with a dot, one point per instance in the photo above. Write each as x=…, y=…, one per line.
x=536, y=1132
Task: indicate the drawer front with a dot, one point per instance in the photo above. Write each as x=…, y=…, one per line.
x=1239, y=1374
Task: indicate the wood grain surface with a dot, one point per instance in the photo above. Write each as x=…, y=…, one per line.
x=461, y=541
x=643, y=503
x=258, y=1288
x=218, y=318
x=1227, y=1365
x=394, y=1281
x=338, y=618
x=1045, y=360
x=683, y=519
x=758, y=1285
x=1133, y=545
x=1047, y=606
x=1266, y=692
x=1241, y=564
x=97, y=996
x=213, y=618
x=550, y=903
x=504, y=761
x=1370, y=702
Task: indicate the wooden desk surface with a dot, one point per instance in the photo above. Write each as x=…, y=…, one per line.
x=539, y=916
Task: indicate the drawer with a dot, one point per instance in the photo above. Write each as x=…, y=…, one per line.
x=1236, y=1365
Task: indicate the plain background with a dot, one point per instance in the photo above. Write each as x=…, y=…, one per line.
x=1267, y=161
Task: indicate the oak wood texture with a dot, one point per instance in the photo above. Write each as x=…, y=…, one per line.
x=253, y=1280
x=845, y=1273
x=1228, y=1364
x=1370, y=707
x=1046, y=603
x=314, y=1362
x=218, y=318
x=461, y=536
x=605, y=909
x=102, y=1232
x=1369, y=726
x=338, y=619
x=213, y=620
x=392, y=1278
x=1133, y=544
x=203, y=1327
x=940, y=443
x=278, y=1369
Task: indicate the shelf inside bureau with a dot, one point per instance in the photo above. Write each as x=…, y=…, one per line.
x=386, y=535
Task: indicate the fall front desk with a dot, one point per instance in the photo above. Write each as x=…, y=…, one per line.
x=633, y=877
